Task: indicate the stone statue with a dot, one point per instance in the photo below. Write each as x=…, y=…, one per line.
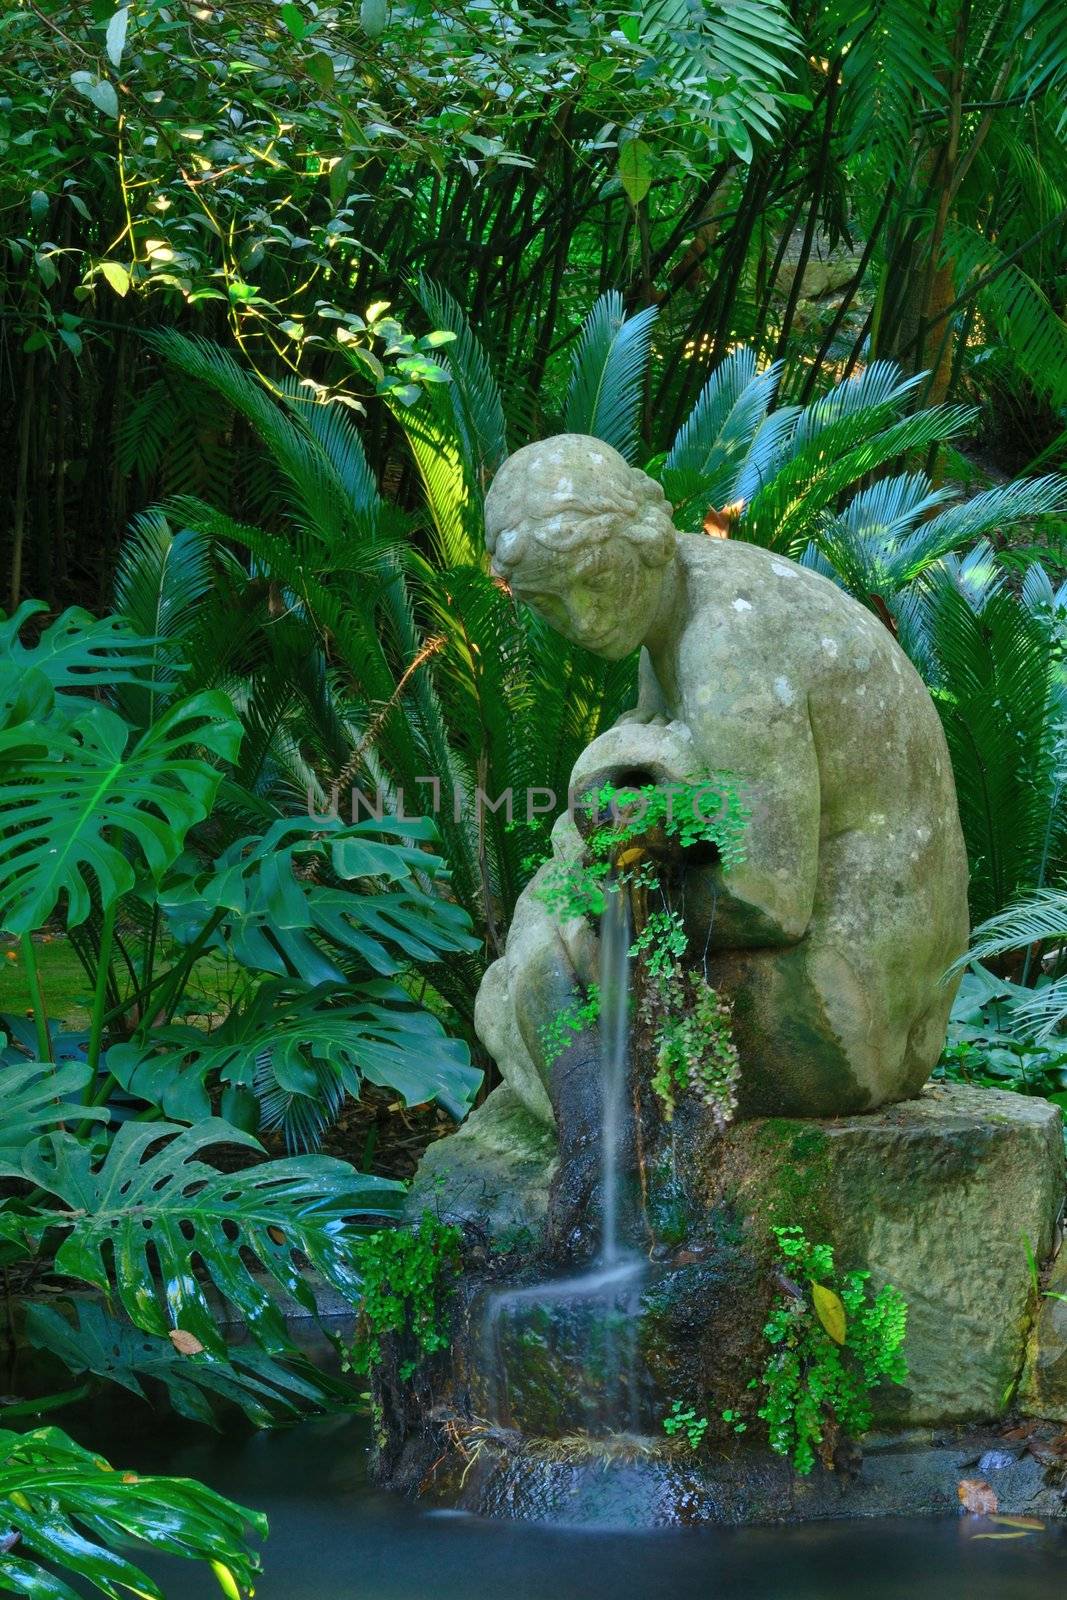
x=831, y=938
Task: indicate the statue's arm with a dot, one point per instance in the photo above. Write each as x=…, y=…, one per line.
x=768, y=898
x=651, y=705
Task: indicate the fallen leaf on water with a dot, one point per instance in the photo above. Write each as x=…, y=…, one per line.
x=830, y=1312
x=977, y=1497
x=186, y=1344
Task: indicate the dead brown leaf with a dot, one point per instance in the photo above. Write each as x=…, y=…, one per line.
x=977, y=1497
x=186, y=1344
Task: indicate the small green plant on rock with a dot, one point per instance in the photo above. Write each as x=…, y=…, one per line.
x=830, y=1348
x=689, y=1022
x=405, y=1273
x=697, y=1053
x=573, y=1019
x=683, y=1419
x=708, y=813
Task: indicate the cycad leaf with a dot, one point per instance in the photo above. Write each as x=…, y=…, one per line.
x=474, y=391
x=332, y=428
x=1039, y=916
x=153, y=1217
x=708, y=454
x=608, y=374
x=317, y=497
x=991, y=670
x=450, y=483
x=1016, y=306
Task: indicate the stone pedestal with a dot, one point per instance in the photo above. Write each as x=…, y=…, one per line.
x=936, y=1195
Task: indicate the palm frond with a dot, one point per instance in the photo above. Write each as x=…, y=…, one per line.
x=317, y=497
x=1016, y=307
x=332, y=427
x=995, y=685
x=474, y=391
x=785, y=513
x=451, y=488
x=702, y=466
x=608, y=374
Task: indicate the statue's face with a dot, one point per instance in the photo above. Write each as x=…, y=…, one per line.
x=606, y=603
x=556, y=522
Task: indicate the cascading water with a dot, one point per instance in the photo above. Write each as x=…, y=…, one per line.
x=588, y=1321
x=614, y=1058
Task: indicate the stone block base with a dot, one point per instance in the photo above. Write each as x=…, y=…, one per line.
x=493, y=1173
x=938, y=1196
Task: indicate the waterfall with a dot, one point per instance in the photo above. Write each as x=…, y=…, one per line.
x=584, y=1325
x=614, y=1056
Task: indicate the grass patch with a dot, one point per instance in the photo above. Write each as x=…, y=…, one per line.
x=63, y=981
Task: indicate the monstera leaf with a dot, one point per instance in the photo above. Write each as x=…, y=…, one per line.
x=77, y=651
x=265, y=1390
x=66, y=1507
x=299, y=1050
x=151, y=1216
x=39, y=1097
x=80, y=803
x=287, y=901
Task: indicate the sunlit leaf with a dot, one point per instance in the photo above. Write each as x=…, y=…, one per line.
x=830, y=1312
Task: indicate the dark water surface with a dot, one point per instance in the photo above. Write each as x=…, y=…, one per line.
x=335, y=1537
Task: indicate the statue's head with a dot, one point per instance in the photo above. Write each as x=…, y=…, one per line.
x=584, y=538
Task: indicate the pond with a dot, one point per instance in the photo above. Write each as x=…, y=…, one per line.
x=335, y=1537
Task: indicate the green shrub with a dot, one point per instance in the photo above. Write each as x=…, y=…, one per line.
x=405, y=1274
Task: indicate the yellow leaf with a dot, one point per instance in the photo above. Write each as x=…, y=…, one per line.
x=830, y=1312
x=117, y=276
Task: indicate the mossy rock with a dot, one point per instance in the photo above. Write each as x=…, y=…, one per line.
x=492, y=1173
x=933, y=1195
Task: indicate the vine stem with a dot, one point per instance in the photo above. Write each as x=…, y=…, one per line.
x=40, y=1015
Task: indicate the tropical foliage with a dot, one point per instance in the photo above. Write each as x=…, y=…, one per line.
x=823, y=183
x=281, y=285
x=68, y=1508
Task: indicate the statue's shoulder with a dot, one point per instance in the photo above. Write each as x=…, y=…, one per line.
x=723, y=572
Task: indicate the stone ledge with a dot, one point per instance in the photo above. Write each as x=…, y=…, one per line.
x=580, y=1484
x=494, y=1171
x=933, y=1195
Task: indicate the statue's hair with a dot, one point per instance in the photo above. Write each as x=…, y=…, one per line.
x=616, y=503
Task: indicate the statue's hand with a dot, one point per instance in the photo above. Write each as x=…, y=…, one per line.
x=641, y=717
